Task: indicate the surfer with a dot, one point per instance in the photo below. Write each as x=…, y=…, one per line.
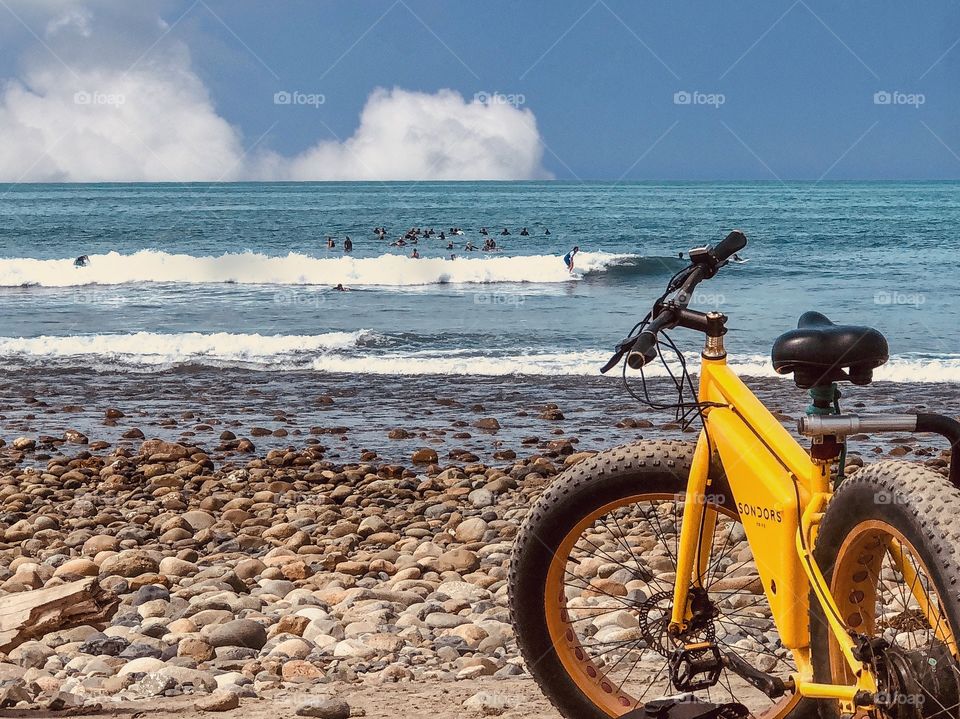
x=738, y=259
x=568, y=258
x=449, y=245
x=81, y=261
x=504, y=231
x=347, y=244
x=546, y=231
x=469, y=247
x=341, y=288
x=524, y=232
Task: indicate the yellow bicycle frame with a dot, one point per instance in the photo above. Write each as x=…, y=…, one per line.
x=780, y=494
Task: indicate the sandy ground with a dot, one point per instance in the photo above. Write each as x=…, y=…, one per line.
x=415, y=700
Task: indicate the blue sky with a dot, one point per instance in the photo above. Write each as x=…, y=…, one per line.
x=619, y=90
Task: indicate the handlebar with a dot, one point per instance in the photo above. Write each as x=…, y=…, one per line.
x=729, y=245
x=644, y=350
x=705, y=262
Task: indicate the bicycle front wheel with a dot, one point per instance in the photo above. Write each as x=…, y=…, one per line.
x=591, y=589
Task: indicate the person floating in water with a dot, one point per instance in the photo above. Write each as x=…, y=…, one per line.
x=483, y=231
x=81, y=261
x=524, y=232
x=568, y=259
x=347, y=244
x=504, y=231
x=415, y=254
x=449, y=245
x=331, y=243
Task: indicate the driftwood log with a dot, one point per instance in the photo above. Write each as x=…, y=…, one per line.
x=28, y=615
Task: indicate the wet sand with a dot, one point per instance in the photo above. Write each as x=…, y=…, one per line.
x=392, y=415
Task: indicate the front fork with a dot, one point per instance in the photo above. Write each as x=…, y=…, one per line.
x=697, y=513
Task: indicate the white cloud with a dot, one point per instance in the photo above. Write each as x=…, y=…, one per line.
x=77, y=18
x=103, y=125
x=91, y=120
x=415, y=136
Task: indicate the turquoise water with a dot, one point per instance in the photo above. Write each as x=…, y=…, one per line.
x=239, y=275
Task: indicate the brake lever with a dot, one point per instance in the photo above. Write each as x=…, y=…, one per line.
x=621, y=348
x=611, y=363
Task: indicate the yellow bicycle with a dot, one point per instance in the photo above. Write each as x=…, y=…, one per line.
x=745, y=575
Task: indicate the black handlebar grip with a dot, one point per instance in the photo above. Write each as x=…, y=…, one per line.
x=644, y=350
x=732, y=243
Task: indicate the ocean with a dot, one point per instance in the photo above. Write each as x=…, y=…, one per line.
x=210, y=309
x=239, y=275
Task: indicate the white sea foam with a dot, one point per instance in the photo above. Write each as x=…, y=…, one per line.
x=366, y=352
x=153, y=349
x=114, y=268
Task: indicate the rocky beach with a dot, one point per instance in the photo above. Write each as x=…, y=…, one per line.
x=275, y=562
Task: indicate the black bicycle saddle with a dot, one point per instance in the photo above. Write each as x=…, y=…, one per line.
x=819, y=352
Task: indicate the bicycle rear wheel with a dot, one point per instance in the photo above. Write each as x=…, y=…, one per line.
x=591, y=589
x=889, y=548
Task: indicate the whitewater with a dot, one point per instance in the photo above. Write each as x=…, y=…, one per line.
x=253, y=268
x=368, y=352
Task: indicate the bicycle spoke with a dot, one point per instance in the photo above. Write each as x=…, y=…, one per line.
x=617, y=546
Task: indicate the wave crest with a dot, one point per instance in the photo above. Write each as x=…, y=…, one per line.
x=391, y=270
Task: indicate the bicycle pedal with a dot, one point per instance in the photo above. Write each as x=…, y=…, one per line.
x=696, y=666
x=687, y=707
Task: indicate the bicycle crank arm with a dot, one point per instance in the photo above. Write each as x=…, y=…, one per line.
x=770, y=685
x=842, y=425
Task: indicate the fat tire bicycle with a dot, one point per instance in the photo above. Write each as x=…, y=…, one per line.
x=743, y=575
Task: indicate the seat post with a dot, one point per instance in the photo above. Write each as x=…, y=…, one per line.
x=828, y=448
